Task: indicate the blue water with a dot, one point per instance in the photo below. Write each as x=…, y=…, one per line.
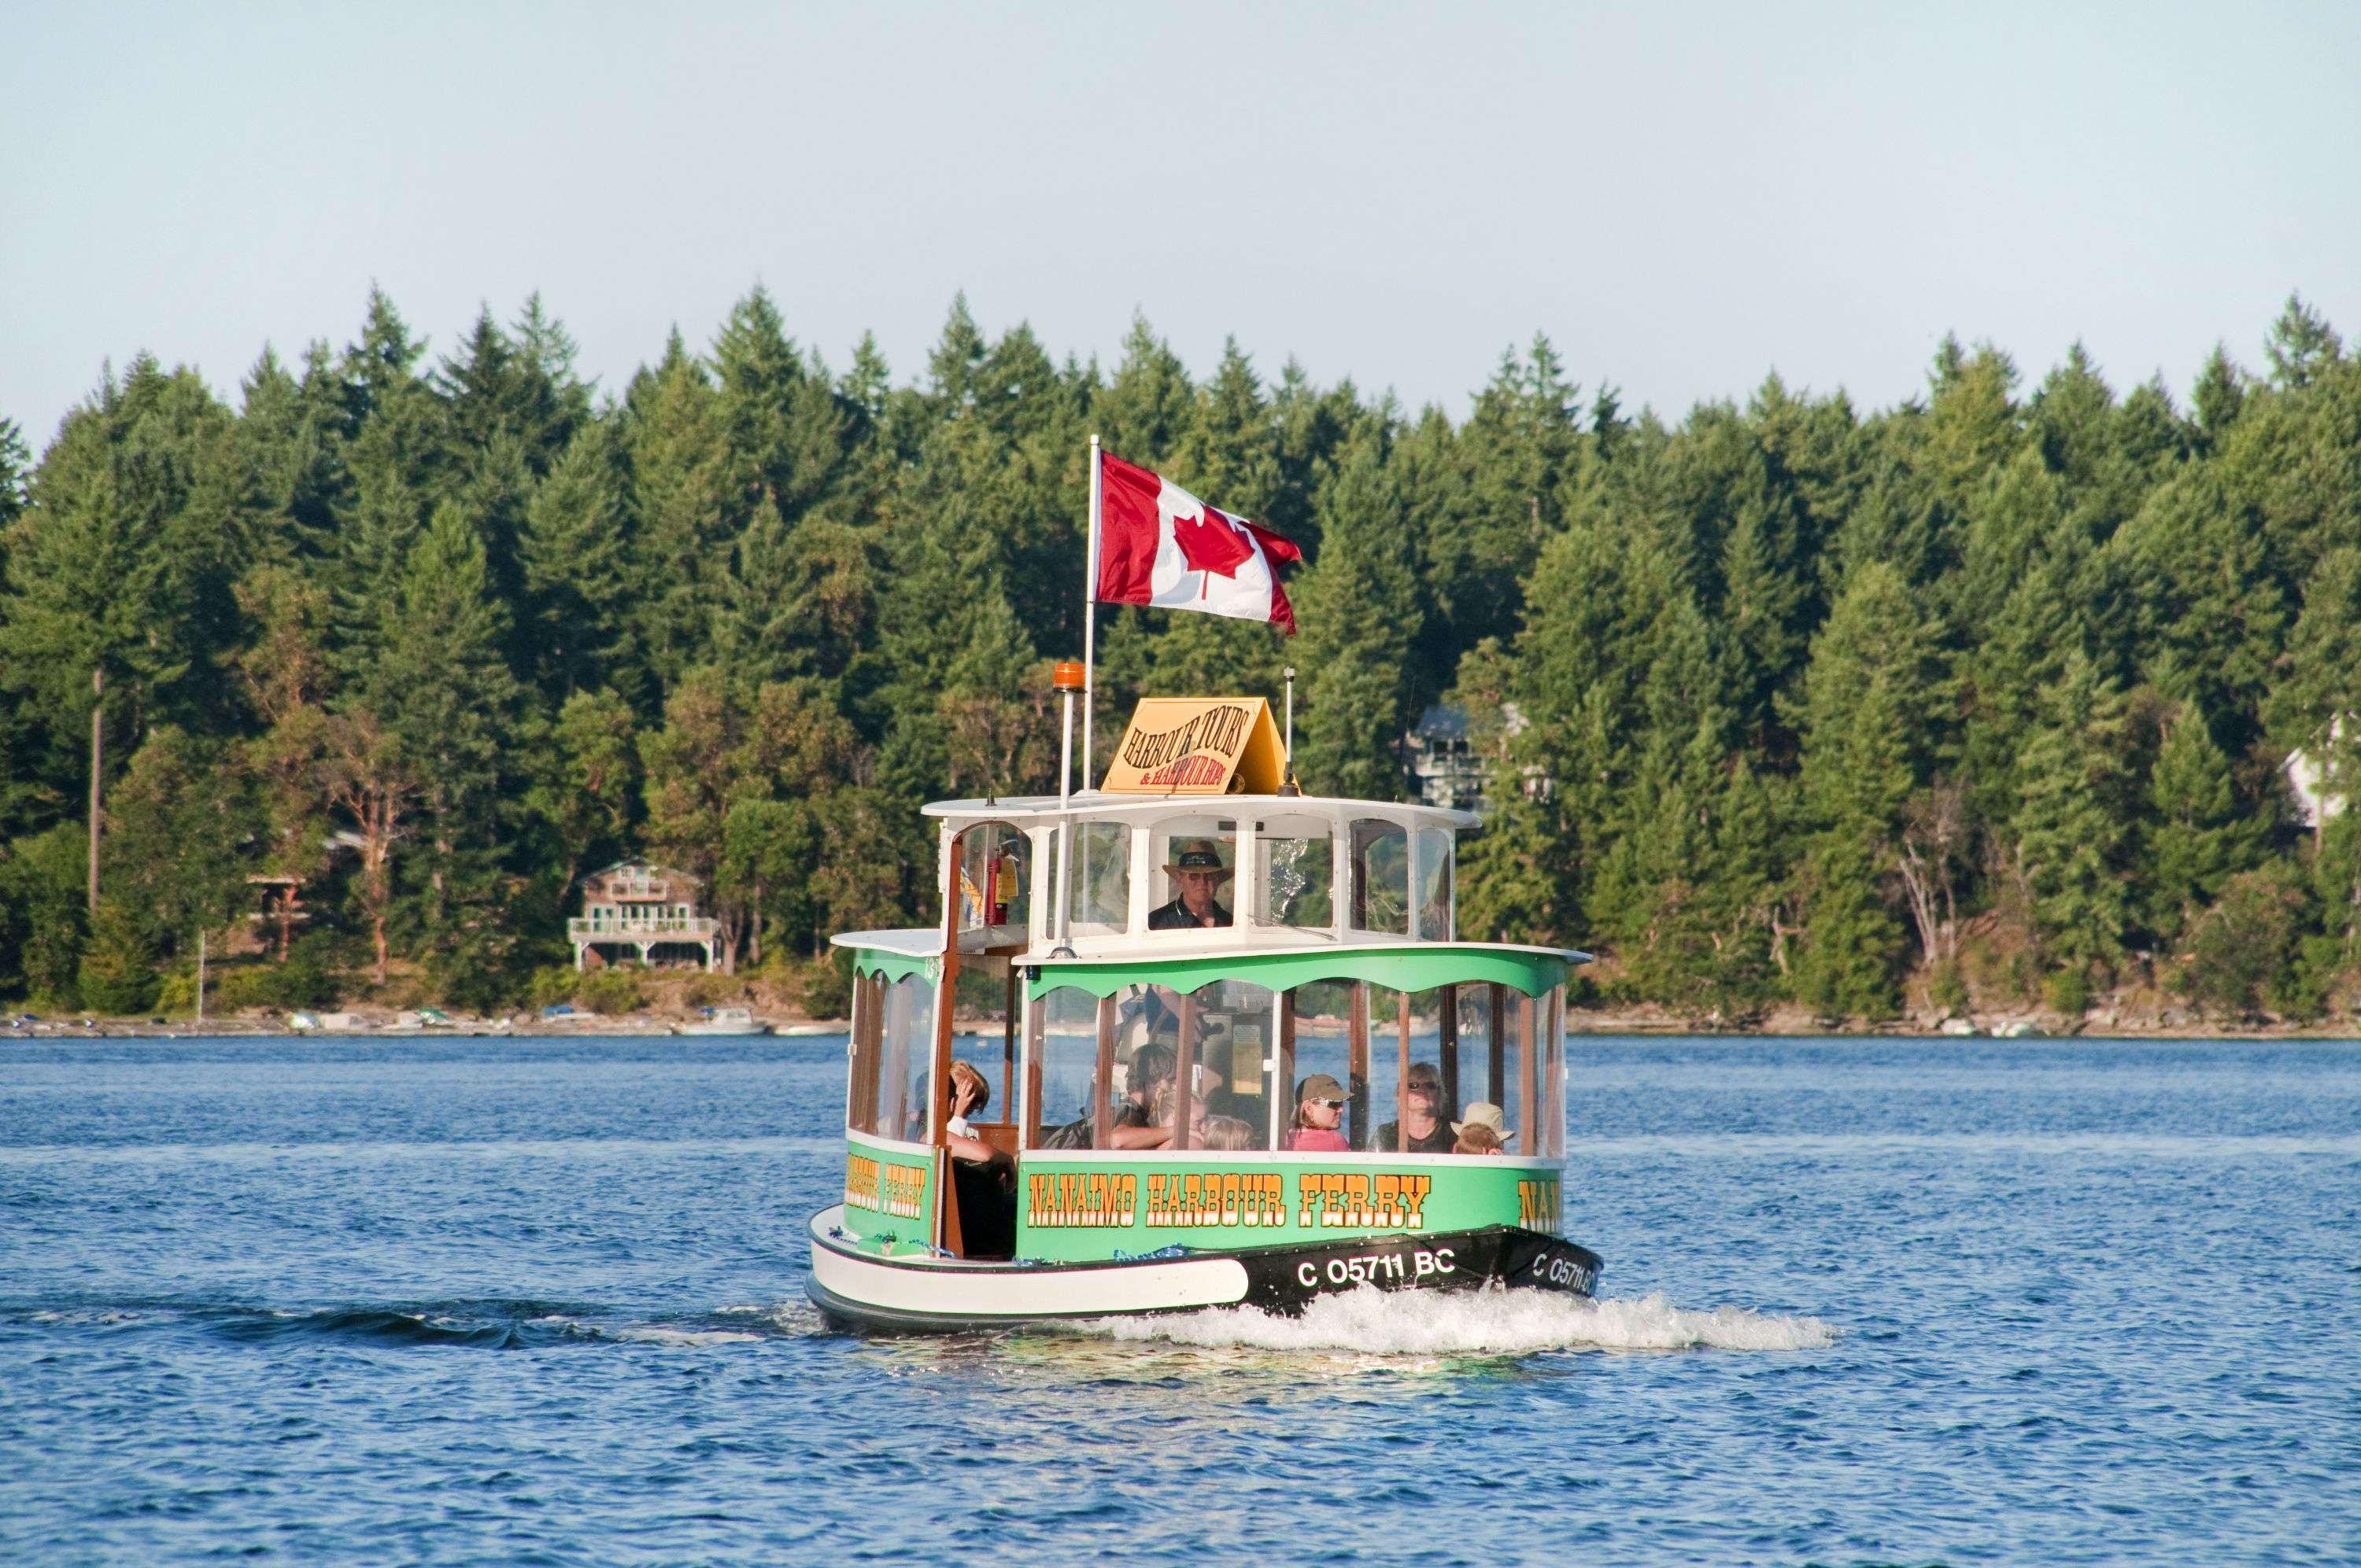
x=541, y=1301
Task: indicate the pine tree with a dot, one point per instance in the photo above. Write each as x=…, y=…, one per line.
x=577, y=626
x=2203, y=835
x=682, y=499
x=1360, y=617
x=2072, y=828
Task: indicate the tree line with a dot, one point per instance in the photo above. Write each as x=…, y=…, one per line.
x=1987, y=697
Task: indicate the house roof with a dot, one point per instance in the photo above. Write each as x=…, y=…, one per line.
x=636, y=863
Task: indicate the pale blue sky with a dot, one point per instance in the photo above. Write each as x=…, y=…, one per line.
x=1683, y=198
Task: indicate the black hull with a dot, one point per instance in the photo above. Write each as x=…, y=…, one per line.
x=1288, y=1279
x=1282, y=1280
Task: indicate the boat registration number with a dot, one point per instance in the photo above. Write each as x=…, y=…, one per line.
x=1404, y=1266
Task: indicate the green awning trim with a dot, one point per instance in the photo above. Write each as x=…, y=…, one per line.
x=1418, y=967
x=893, y=967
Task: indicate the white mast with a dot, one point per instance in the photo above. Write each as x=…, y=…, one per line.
x=1090, y=621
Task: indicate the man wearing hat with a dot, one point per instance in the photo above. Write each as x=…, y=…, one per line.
x=1196, y=870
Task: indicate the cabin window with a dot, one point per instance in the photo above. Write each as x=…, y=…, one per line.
x=1224, y=1035
x=905, y=1050
x=1099, y=891
x=1433, y=867
x=1380, y=877
x=1411, y=1105
x=1195, y=859
x=1065, y=1065
x=994, y=886
x=868, y=1030
x=1324, y=1033
x=1294, y=879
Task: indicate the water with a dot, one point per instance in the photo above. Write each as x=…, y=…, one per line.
x=1866, y=1302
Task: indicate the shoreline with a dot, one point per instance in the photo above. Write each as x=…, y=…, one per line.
x=1786, y=1024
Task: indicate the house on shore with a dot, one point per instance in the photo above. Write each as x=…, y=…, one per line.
x=638, y=908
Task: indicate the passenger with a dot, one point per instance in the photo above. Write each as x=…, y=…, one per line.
x=1160, y=1113
x=1228, y=1133
x=1196, y=872
x=1475, y=1137
x=984, y=1179
x=1483, y=1123
x=1429, y=1132
x=968, y=1093
x=1134, y=1120
x=1319, y=1107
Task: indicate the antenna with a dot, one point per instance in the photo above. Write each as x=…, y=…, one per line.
x=1287, y=787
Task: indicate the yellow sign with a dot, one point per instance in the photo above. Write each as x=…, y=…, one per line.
x=1198, y=745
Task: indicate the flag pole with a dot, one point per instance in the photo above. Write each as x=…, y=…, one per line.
x=1090, y=621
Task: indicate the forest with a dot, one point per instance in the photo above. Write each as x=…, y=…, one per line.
x=1986, y=699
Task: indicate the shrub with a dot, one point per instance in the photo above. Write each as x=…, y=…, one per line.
x=827, y=987
x=608, y=991
x=2068, y=992
x=1947, y=989
x=706, y=990
x=2242, y=949
x=118, y=972
x=552, y=983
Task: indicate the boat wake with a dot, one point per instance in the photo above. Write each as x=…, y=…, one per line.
x=1496, y=1322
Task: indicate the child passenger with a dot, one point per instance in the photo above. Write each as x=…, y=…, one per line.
x=1319, y=1113
x=1228, y=1133
x=1484, y=1131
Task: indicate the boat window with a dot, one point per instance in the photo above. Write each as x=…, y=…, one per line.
x=1066, y=1066
x=1186, y=851
x=1293, y=883
x=906, y=1048
x=1553, y=1116
x=1411, y=1109
x=1380, y=877
x=1225, y=1033
x=1474, y=1053
x=984, y=1034
x=994, y=886
x=1099, y=893
x=1324, y=1033
x=1434, y=884
x=868, y=1015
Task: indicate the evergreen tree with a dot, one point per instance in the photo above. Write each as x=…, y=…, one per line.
x=1360, y=612
x=577, y=628
x=2072, y=830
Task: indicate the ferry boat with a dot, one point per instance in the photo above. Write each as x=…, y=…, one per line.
x=1244, y=1059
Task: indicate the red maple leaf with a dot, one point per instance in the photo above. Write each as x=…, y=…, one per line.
x=1208, y=543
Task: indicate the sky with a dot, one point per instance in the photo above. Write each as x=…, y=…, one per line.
x=1683, y=198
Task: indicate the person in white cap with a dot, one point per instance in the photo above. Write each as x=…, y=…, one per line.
x=1482, y=1132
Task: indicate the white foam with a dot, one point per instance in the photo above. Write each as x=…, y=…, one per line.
x=681, y=1336
x=1417, y=1323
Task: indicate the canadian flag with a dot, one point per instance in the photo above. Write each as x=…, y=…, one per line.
x=1160, y=545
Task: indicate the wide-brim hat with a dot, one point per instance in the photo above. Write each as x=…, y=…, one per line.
x=1484, y=1113
x=1197, y=856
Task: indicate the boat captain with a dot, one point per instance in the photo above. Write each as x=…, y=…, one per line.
x=1197, y=872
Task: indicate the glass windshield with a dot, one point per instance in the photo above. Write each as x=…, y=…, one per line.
x=1293, y=883
x=1434, y=889
x=1380, y=877
x=1099, y=891
x=996, y=886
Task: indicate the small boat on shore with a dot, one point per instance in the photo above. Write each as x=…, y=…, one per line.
x=724, y=1021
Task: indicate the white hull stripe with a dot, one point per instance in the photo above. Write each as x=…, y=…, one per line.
x=948, y=1288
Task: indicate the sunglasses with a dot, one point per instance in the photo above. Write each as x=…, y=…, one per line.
x=1332, y=1104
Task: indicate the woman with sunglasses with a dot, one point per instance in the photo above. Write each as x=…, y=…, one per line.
x=1318, y=1115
